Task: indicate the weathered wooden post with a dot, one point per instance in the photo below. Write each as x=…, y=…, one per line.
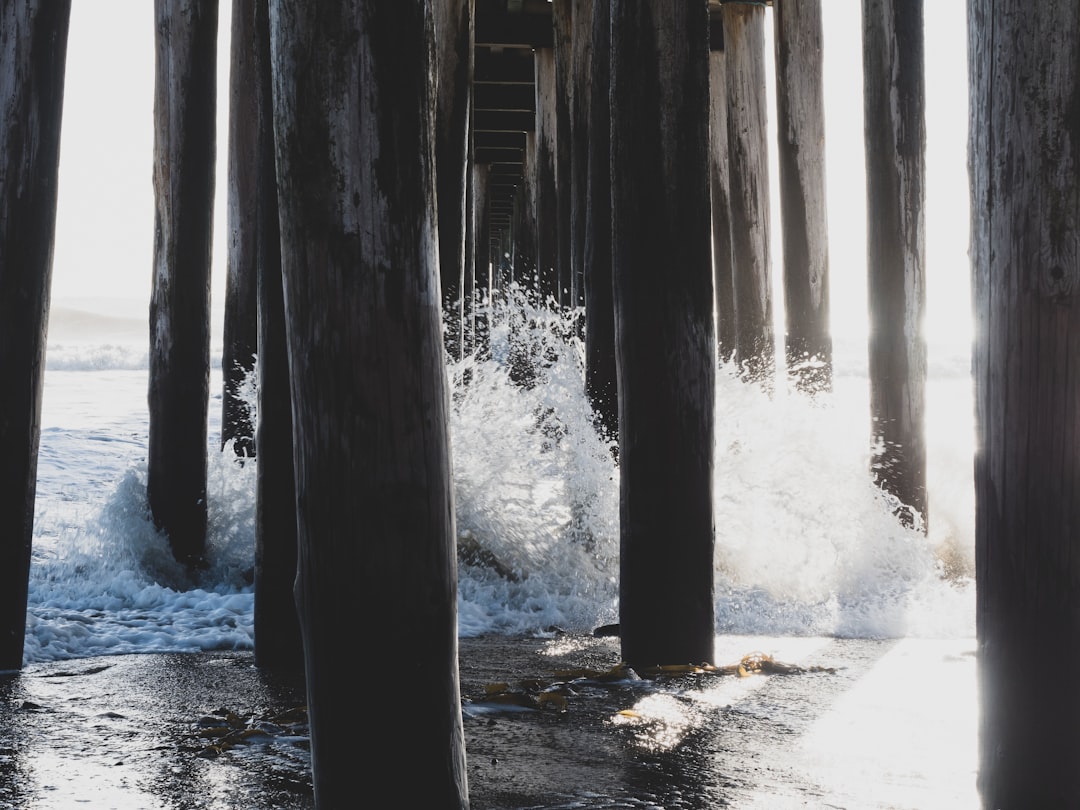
x=561, y=18
x=503, y=272
x=278, y=643
x=241, y=329
x=895, y=133
x=468, y=278
x=748, y=199
x=481, y=297
x=601, y=377
x=580, y=78
x=547, y=206
x=454, y=57
x=185, y=93
x=1024, y=75
x=354, y=126
x=33, y=54
x=719, y=183
x=524, y=361
x=665, y=338
x=800, y=127
x=524, y=220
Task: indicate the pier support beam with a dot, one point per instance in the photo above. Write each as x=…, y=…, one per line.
x=523, y=229
x=354, y=126
x=454, y=57
x=895, y=134
x=33, y=55
x=665, y=338
x=185, y=93
x=278, y=643
x=547, y=201
x=719, y=184
x=241, y=328
x=562, y=13
x=800, y=127
x=748, y=175
x=580, y=78
x=481, y=262
x=601, y=376
x=1024, y=75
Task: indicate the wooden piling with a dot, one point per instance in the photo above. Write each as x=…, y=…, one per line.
x=748, y=199
x=524, y=222
x=719, y=184
x=354, y=125
x=895, y=134
x=580, y=78
x=468, y=276
x=481, y=276
x=665, y=336
x=601, y=376
x=278, y=643
x=1024, y=156
x=562, y=14
x=547, y=210
x=800, y=128
x=241, y=328
x=33, y=54
x=185, y=93
x=454, y=57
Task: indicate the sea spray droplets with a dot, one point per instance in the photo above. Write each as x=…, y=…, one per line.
x=111, y=585
x=535, y=485
x=806, y=545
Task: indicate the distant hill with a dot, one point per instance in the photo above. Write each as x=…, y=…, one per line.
x=68, y=325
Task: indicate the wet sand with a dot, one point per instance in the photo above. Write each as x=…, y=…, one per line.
x=865, y=724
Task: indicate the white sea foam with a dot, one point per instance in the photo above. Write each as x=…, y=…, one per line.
x=806, y=545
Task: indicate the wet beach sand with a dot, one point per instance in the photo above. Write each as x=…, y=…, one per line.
x=857, y=724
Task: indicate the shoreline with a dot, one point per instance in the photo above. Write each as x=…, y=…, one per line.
x=130, y=731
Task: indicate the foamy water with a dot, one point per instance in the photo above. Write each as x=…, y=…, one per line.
x=806, y=545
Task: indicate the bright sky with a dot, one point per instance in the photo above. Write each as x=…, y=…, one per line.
x=948, y=270
x=105, y=220
x=105, y=213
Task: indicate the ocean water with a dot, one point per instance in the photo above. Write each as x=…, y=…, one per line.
x=806, y=545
